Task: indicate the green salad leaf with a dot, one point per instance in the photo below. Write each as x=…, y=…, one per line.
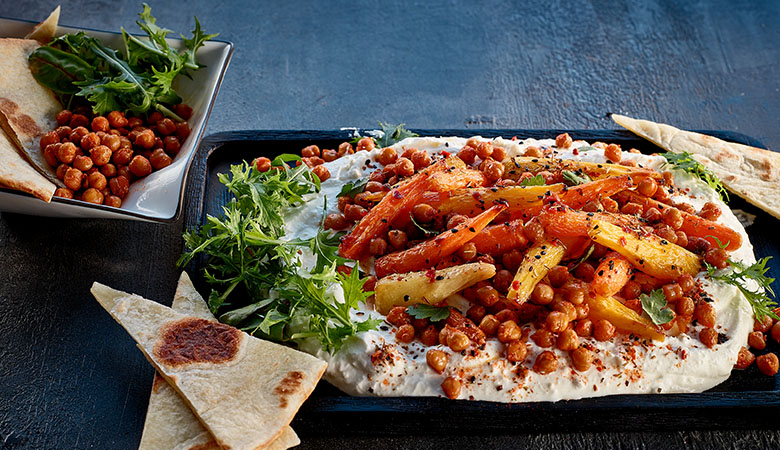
x=433, y=313
x=259, y=283
x=759, y=299
x=572, y=178
x=655, y=307
x=391, y=134
x=536, y=180
x=686, y=162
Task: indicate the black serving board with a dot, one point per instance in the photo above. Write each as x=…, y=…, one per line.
x=748, y=399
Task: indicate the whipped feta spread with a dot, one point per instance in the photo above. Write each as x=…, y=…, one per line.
x=374, y=363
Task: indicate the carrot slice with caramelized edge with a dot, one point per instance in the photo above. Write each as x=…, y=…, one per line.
x=694, y=225
x=497, y=239
x=396, y=203
x=577, y=196
x=622, y=317
x=537, y=262
x=515, y=167
x=612, y=274
x=470, y=202
x=428, y=253
x=649, y=253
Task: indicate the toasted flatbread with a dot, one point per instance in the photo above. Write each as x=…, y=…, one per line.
x=44, y=31
x=27, y=109
x=17, y=173
x=751, y=173
x=244, y=390
x=169, y=422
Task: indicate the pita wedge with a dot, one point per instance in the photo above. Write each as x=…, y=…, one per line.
x=170, y=424
x=17, y=173
x=44, y=31
x=244, y=390
x=27, y=109
x=750, y=172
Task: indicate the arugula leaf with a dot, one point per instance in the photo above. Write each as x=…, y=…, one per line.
x=353, y=188
x=536, y=180
x=686, y=162
x=572, y=178
x=433, y=313
x=655, y=307
x=393, y=134
x=258, y=281
x=760, y=302
x=420, y=227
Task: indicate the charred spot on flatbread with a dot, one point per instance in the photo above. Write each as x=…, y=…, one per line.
x=210, y=445
x=288, y=386
x=194, y=340
x=158, y=382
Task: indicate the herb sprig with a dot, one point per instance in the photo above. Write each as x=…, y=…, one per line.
x=259, y=283
x=536, y=180
x=655, y=306
x=686, y=162
x=391, y=134
x=425, y=311
x=760, y=301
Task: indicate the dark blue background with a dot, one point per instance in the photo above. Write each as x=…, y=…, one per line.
x=324, y=65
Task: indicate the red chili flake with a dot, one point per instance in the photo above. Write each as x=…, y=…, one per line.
x=576, y=151
x=398, y=195
x=623, y=241
x=445, y=153
x=431, y=274
x=514, y=138
x=515, y=285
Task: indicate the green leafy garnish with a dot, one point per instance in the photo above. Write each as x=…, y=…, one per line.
x=430, y=312
x=80, y=66
x=391, y=134
x=655, y=307
x=536, y=180
x=420, y=227
x=685, y=161
x=353, y=188
x=259, y=283
x=572, y=178
x=760, y=302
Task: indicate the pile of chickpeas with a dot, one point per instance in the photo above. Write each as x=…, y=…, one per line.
x=97, y=157
x=557, y=313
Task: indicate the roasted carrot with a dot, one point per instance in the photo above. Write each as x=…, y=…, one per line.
x=577, y=196
x=497, y=239
x=612, y=274
x=563, y=222
x=622, y=317
x=456, y=178
x=537, y=262
x=470, y=202
x=694, y=225
x=397, y=203
x=515, y=167
x=428, y=253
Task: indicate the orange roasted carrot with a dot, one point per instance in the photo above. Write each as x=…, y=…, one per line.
x=456, y=178
x=497, y=239
x=427, y=254
x=577, y=196
x=694, y=225
x=563, y=222
x=612, y=274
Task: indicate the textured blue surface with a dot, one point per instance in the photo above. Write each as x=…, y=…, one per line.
x=69, y=376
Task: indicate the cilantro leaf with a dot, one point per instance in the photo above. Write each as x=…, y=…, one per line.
x=760, y=301
x=536, y=180
x=655, y=307
x=572, y=178
x=353, y=188
x=686, y=162
x=393, y=134
x=433, y=313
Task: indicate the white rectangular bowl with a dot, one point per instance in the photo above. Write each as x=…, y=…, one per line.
x=159, y=196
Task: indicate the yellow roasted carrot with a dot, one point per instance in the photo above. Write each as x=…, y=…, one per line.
x=538, y=260
x=622, y=317
x=515, y=167
x=470, y=202
x=649, y=253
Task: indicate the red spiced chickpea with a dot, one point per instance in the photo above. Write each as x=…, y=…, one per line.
x=556, y=321
x=436, y=359
x=405, y=333
x=533, y=152
x=97, y=180
x=140, y=166
x=365, y=144
x=458, y=341
x=545, y=363
x=612, y=153
x=516, y=351
x=647, y=187
x=489, y=325
x=387, y=156
x=63, y=192
x=100, y=123
x=404, y=167
x=744, y=359
x=160, y=159
x=499, y=153
x=568, y=340
x=345, y=148
x=493, y=170
x=398, y=316
x=558, y=276
x=63, y=117
x=542, y=294
x=685, y=307
x=72, y=179
x=93, y=195
x=484, y=149
x=705, y=314
x=487, y=296
x=709, y=337
x=767, y=364
x=353, y=213
x=581, y=359
x=509, y=331
x=776, y=332
x=603, y=330
x=335, y=221
x=423, y=212
x=311, y=150
x=421, y=159
x=377, y=246
x=451, y=387
x=119, y=186
x=321, y=172
x=429, y=336
x=467, y=154
x=116, y=119
x=563, y=140
x=763, y=325
x=756, y=340
x=101, y=155
x=397, y=239
x=543, y=338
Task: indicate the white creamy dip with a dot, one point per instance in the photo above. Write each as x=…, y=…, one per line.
x=374, y=363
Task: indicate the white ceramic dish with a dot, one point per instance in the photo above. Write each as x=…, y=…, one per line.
x=159, y=196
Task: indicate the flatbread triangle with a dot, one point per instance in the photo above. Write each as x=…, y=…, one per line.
x=244, y=390
x=44, y=31
x=751, y=173
x=17, y=173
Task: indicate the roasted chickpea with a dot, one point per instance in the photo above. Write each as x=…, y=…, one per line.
x=353, y=213
x=717, y=257
x=493, y=170
x=119, y=186
x=489, y=325
x=558, y=276
x=568, y=340
x=776, y=332
x=345, y=148
x=100, y=123
x=397, y=239
x=451, y=387
x=543, y=338
x=710, y=211
x=516, y=351
x=311, y=150
x=685, y=307
x=468, y=252
x=421, y=159
x=545, y=363
x=484, y=149
x=405, y=333
x=632, y=208
x=183, y=110
x=647, y=187
x=673, y=292
x=145, y=139
x=652, y=215
x=365, y=144
x=123, y=156
x=61, y=169
x=756, y=340
x=744, y=359
x=166, y=127
x=63, y=117
x=154, y=117
x=542, y=294
x=584, y=328
x=556, y=321
x=335, y=221
x=533, y=152
x=89, y=141
x=97, y=180
x=682, y=239
x=613, y=153
x=708, y=337
x=377, y=246
x=437, y=360
x=499, y=153
x=533, y=230
x=72, y=179
x=429, y=336
x=113, y=200
x=767, y=364
x=404, y=167
x=567, y=308
x=581, y=359
x=116, y=119
x=93, y=195
x=506, y=314
x=65, y=152
x=509, y=331
x=631, y=290
x=563, y=140
x=262, y=164
x=687, y=283
x=182, y=131
x=78, y=120
x=705, y=314
x=457, y=341
x=603, y=330
x=63, y=192
x=467, y=154
x=171, y=144
x=502, y=280
x=487, y=296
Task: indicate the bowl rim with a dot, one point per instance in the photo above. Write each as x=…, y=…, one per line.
x=187, y=164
